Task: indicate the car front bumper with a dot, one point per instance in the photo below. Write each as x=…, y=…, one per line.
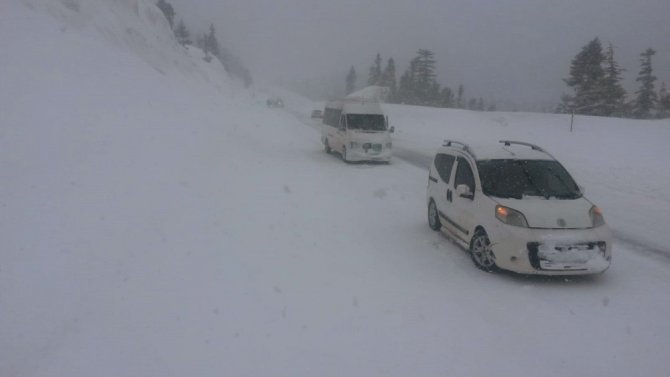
x=552, y=251
x=360, y=154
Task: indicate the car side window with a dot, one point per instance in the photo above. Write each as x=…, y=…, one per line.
x=444, y=164
x=464, y=174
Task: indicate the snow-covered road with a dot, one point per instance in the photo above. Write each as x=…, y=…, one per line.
x=415, y=154
x=158, y=220
x=550, y=326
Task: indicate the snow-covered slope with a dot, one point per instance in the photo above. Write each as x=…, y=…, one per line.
x=158, y=220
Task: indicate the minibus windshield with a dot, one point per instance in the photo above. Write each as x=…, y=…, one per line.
x=366, y=122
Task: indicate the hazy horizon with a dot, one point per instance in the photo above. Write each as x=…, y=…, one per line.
x=515, y=51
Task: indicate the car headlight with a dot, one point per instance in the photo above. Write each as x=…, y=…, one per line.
x=596, y=215
x=511, y=216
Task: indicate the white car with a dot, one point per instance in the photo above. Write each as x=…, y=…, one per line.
x=514, y=207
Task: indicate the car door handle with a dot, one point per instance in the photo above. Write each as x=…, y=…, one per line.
x=449, y=196
x=432, y=179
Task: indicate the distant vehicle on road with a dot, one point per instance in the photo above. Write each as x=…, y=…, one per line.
x=275, y=102
x=357, y=129
x=317, y=114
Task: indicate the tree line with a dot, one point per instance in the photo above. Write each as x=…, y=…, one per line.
x=595, y=80
x=417, y=85
x=207, y=42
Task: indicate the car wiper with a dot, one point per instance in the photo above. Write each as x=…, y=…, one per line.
x=540, y=190
x=576, y=194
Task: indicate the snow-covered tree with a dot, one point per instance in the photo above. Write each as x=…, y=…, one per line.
x=388, y=79
x=446, y=97
x=663, y=102
x=614, y=93
x=182, y=34
x=211, y=44
x=375, y=75
x=407, y=85
x=480, y=104
x=587, y=80
x=168, y=11
x=646, y=98
x=425, y=77
x=460, y=97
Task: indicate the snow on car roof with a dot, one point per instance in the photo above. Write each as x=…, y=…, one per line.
x=363, y=108
x=492, y=151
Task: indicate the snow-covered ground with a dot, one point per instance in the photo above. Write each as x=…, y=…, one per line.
x=158, y=220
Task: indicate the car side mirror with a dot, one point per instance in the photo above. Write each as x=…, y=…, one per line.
x=463, y=191
x=581, y=189
x=392, y=129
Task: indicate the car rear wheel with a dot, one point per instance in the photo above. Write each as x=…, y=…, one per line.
x=344, y=154
x=326, y=147
x=433, y=216
x=482, y=255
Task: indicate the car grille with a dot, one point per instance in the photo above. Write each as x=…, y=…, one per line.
x=563, y=256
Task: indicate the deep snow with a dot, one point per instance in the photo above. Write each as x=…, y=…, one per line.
x=157, y=219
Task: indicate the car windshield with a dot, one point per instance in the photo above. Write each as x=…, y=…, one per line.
x=518, y=178
x=366, y=122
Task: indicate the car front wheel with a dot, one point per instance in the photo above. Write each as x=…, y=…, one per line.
x=433, y=216
x=344, y=154
x=482, y=255
x=326, y=146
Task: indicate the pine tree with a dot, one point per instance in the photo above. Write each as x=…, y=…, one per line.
x=614, y=93
x=587, y=81
x=182, y=34
x=480, y=104
x=211, y=43
x=407, y=86
x=425, y=77
x=168, y=11
x=388, y=79
x=375, y=75
x=663, y=102
x=460, y=97
x=446, y=97
x=646, y=95
x=351, y=80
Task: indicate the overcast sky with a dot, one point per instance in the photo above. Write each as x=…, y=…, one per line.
x=515, y=50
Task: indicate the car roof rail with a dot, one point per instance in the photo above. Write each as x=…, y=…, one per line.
x=531, y=145
x=464, y=147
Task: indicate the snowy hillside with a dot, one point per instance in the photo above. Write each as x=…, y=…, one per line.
x=157, y=219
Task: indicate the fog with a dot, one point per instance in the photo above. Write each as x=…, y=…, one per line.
x=513, y=52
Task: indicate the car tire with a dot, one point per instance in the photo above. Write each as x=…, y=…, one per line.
x=344, y=154
x=433, y=216
x=326, y=146
x=480, y=250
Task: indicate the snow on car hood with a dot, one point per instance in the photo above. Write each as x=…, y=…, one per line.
x=552, y=213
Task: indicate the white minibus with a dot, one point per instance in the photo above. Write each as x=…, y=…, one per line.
x=357, y=129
